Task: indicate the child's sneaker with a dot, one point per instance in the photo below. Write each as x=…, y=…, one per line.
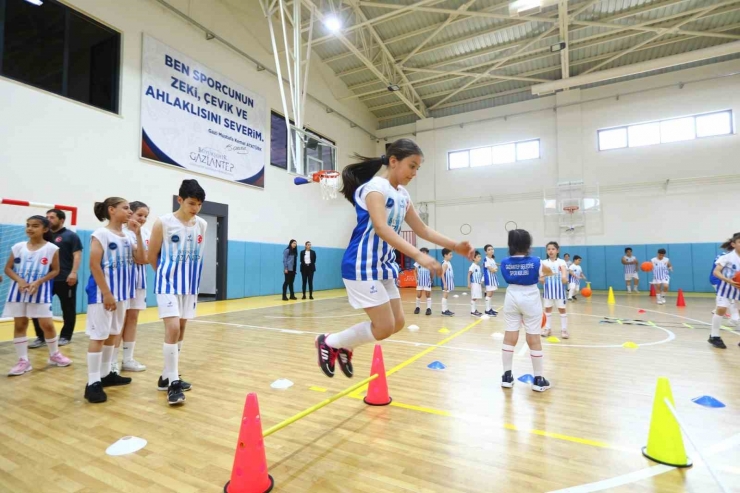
x=327, y=356
x=429, y=311
x=59, y=359
x=345, y=362
x=447, y=313
x=133, y=365
x=546, y=332
x=23, y=366
x=507, y=380
x=564, y=334
x=95, y=394
x=416, y=312
x=540, y=384
x=476, y=314
x=717, y=342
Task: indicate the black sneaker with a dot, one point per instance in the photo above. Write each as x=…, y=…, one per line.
x=493, y=312
x=540, y=384
x=575, y=298
x=507, y=380
x=416, y=312
x=476, y=314
x=310, y=297
x=293, y=298
x=113, y=379
x=95, y=394
x=717, y=342
x=447, y=313
x=327, y=356
x=164, y=384
x=429, y=311
x=174, y=393
x=345, y=362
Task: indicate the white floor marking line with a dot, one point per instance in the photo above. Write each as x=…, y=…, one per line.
x=359, y=314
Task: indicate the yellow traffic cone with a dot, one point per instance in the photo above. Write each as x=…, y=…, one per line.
x=665, y=443
x=610, y=300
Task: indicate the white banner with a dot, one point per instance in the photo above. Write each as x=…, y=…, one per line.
x=194, y=118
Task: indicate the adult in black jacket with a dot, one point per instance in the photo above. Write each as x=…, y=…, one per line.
x=308, y=267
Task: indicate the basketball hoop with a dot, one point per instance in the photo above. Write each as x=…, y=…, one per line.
x=329, y=181
x=570, y=209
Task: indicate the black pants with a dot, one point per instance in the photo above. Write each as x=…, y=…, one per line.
x=289, y=279
x=307, y=276
x=68, y=299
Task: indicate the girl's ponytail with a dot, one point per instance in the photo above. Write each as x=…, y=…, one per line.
x=728, y=244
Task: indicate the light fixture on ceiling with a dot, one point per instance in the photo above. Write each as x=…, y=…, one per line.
x=333, y=23
x=37, y=3
x=525, y=7
x=557, y=47
x=394, y=87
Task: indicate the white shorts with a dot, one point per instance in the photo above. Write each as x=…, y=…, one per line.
x=139, y=301
x=723, y=302
x=634, y=275
x=177, y=305
x=27, y=310
x=661, y=281
x=424, y=288
x=523, y=307
x=367, y=294
x=102, y=324
x=490, y=289
x=476, y=292
x=556, y=303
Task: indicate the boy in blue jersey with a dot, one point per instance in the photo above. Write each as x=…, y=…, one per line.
x=176, y=255
x=475, y=284
x=489, y=276
x=725, y=271
x=448, y=280
x=423, y=285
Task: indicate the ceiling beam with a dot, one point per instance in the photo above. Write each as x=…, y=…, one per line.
x=474, y=74
x=564, y=58
x=476, y=13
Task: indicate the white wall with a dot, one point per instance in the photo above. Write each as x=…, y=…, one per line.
x=637, y=205
x=56, y=150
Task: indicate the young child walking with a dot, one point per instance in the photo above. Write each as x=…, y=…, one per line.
x=423, y=284
x=728, y=289
x=554, y=289
x=489, y=274
x=576, y=274
x=661, y=275
x=368, y=267
x=32, y=267
x=523, y=307
x=448, y=280
x=630, y=270
x=475, y=284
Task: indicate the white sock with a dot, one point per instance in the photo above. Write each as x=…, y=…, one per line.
x=716, y=322
x=734, y=313
x=444, y=304
x=429, y=303
x=572, y=291
x=507, y=355
x=179, y=346
x=107, y=358
x=357, y=335
x=563, y=321
x=537, y=358
x=53, y=345
x=94, y=360
x=547, y=320
x=472, y=306
x=21, y=347
x=171, y=371
x=629, y=288
x=488, y=303
x=114, y=358
x=418, y=302
x=128, y=350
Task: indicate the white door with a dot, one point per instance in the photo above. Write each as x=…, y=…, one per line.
x=208, y=280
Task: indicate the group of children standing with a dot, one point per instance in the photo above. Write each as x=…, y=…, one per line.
x=116, y=290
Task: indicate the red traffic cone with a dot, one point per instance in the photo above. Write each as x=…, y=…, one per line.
x=680, y=301
x=249, y=474
x=377, y=392
x=640, y=311
x=652, y=291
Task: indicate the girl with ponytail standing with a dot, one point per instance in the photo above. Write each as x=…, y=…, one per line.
x=369, y=269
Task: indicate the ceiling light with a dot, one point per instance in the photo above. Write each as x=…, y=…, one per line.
x=394, y=87
x=332, y=23
x=558, y=47
x=37, y=3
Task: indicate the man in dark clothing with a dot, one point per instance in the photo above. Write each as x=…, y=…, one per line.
x=308, y=267
x=65, y=284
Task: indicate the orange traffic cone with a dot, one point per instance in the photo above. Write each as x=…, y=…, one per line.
x=249, y=474
x=377, y=392
x=652, y=291
x=680, y=301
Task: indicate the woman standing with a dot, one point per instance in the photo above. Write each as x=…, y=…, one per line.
x=290, y=256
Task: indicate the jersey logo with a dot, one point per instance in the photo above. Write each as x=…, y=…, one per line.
x=175, y=238
x=200, y=239
x=113, y=246
x=373, y=289
x=44, y=261
x=389, y=203
x=58, y=239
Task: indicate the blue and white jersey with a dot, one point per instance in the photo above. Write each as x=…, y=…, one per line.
x=140, y=270
x=448, y=275
x=521, y=270
x=475, y=276
x=117, y=264
x=423, y=276
x=32, y=266
x=730, y=263
x=488, y=276
x=661, y=274
x=554, y=289
x=576, y=271
x=713, y=280
x=180, y=263
x=630, y=268
x=368, y=257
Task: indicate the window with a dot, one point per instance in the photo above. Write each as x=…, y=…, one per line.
x=667, y=131
x=318, y=155
x=498, y=154
x=60, y=50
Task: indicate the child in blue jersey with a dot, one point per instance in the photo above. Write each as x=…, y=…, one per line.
x=111, y=285
x=475, y=284
x=576, y=274
x=630, y=270
x=423, y=284
x=554, y=289
x=728, y=290
x=32, y=267
x=369, y=270
x=140, y=214
x=176, y=255
x=489, y=276
x=662, y=269
x=448, y=280
x=523, y=306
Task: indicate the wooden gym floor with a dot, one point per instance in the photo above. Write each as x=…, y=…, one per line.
x=454, y=430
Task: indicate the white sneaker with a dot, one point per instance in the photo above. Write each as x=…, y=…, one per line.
x=636, y=290
x=133, y=365
x=731, y=323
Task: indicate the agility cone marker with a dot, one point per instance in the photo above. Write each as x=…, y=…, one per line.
x=680, y=302
x=249, y=474
x=610, y=299
x=377, y=392
x=653, y=294
x=665, y=443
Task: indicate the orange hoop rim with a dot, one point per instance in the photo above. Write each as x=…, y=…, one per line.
x=570, y=209
x=319, y=175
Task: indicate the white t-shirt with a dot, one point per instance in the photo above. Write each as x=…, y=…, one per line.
x=307, y=257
